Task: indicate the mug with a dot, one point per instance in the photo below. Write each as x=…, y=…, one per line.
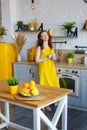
x=53, y=55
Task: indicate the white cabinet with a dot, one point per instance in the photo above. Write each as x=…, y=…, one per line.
x=26, y=72
x=84, y=88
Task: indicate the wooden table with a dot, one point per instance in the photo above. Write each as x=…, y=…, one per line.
x=53, y=95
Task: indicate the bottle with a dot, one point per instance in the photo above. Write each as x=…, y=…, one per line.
x=51, y=32
x=86, y=25
x=36, y=25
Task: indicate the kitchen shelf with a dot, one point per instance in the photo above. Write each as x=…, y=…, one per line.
x=64, y=37
x=25, y=29
x=80, y=46
x=63, y=42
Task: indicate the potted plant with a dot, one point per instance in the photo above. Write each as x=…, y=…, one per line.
x=70, y=57
x=69, y=26
x=19, y=25
x=13, y=83
x=3, y=31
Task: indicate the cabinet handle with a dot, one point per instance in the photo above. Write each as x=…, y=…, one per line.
x=33, y=75
x=30, y=71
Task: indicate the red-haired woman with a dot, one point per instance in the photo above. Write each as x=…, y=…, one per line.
x=45, y=56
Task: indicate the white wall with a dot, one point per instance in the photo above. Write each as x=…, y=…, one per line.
x=52, y=13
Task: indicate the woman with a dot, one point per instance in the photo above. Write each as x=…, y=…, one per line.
x=45, y=57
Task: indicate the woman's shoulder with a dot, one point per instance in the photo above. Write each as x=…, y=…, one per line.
x=38, y=47
x=52, y=49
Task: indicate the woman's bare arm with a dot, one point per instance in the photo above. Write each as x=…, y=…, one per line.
x=38, y=59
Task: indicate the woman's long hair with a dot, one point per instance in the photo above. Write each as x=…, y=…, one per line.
x=40, y=41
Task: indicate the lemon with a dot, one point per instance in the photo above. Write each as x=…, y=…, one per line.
x=35, y=92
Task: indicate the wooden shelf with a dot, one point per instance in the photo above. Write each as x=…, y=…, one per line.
x=64, y=37
x=63, y=42
x=27, y=31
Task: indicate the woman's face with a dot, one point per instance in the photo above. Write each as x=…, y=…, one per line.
x=45, y=36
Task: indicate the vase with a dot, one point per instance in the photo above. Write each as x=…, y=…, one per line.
x=19, y=58
x=13, y=89
x=70, y=60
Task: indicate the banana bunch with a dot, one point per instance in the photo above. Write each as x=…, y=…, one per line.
x=25, y=92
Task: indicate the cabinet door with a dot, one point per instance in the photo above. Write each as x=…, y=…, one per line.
x=23, y=72
x=26, y=72
x=74, y=101
x=84, y=88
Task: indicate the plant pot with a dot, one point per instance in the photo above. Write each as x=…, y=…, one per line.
x=70, y=60
x=69, y=32
x=13, y=89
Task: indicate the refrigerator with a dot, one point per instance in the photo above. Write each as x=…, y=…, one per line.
x=8, y=55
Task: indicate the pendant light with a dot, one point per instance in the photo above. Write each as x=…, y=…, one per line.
x=32, y=4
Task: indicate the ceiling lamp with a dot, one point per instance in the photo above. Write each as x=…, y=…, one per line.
x=32, y=4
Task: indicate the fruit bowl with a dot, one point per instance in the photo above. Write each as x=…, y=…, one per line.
x=29, y=89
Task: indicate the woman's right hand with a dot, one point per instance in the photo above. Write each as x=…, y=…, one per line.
x=49, y=56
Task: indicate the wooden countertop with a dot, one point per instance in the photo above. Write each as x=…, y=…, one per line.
x=51, y=94
x=59, y=65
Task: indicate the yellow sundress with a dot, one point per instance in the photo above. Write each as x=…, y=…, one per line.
x=47, y=70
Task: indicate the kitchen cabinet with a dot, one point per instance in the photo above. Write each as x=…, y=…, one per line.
x=26, y=72
x=74, y=101
x=84, y=88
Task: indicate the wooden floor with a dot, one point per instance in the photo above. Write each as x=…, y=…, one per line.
x=77, y=120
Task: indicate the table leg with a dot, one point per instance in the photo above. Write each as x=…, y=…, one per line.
x=36, y=119
x=61, y=109
x=64, y=116
x=7, y=110
x=6, y=107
